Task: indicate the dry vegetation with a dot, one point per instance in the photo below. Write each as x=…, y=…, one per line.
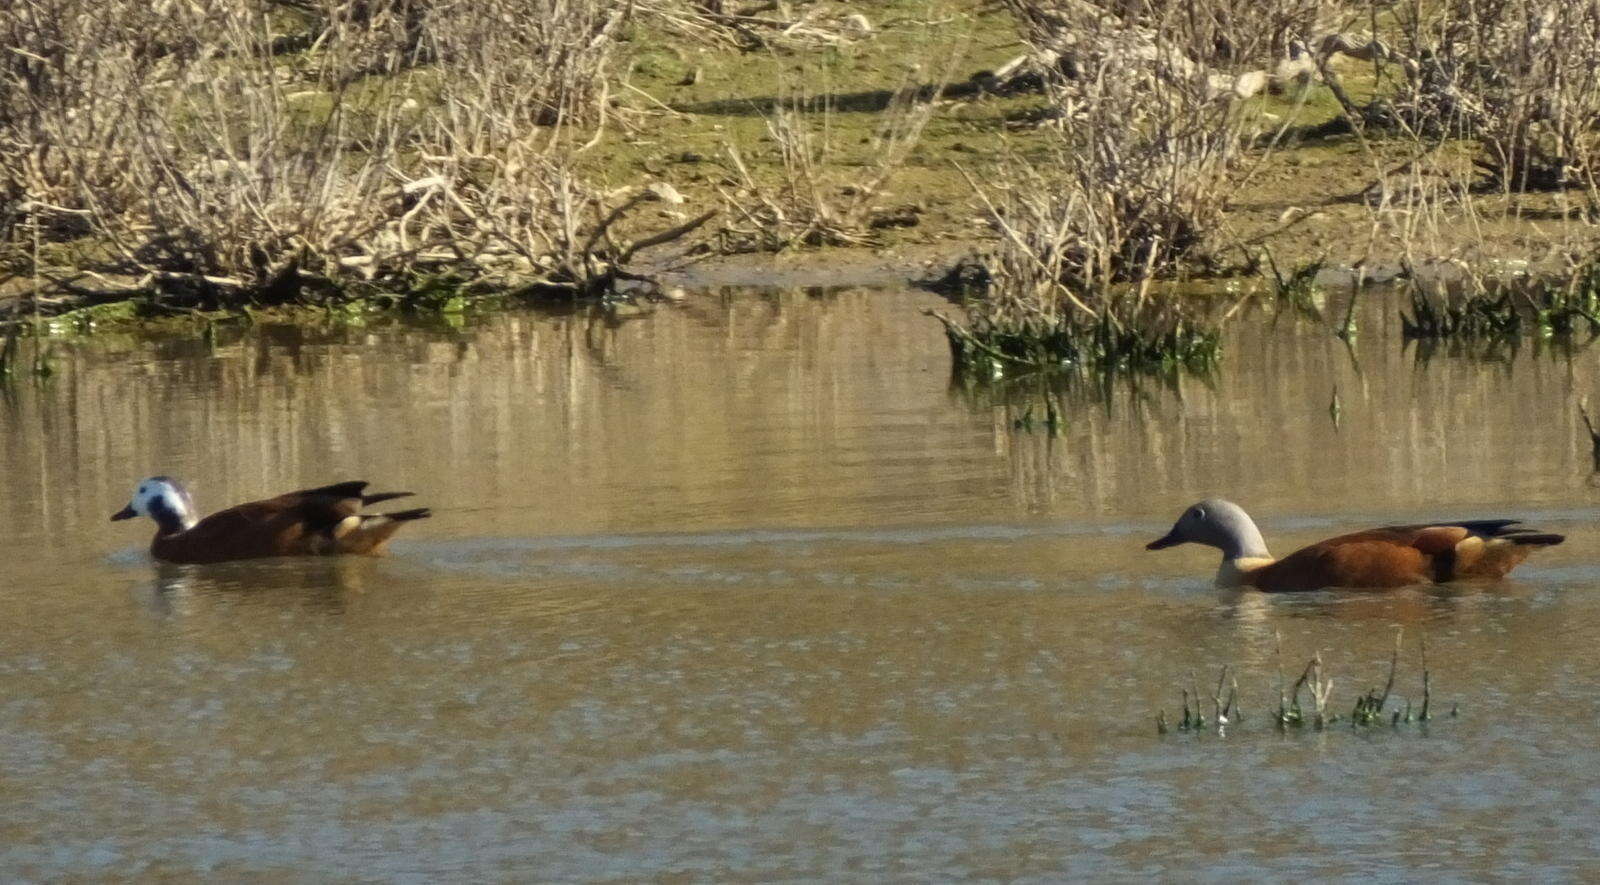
x=754, y=26
x=1517, y=76
x=818, y=203
x=200, y=153
x=208, y=153
x=1157, y=123
x=1143, y=149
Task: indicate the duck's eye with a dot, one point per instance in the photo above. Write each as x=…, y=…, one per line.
x=1199, y=513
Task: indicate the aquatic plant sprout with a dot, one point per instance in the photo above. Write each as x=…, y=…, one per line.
x=1370, y=708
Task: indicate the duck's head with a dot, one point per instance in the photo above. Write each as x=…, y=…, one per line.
x=164, y=500
x=1215, y=523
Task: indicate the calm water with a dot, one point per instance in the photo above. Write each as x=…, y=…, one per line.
x=744, y=590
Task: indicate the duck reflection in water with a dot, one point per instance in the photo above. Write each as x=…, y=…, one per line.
x=329, y=585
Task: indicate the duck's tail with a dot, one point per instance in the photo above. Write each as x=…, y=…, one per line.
x=375, y=530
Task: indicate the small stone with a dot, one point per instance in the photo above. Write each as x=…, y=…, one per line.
x=665, y=192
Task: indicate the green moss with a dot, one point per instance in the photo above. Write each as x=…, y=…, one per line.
x=84, y=320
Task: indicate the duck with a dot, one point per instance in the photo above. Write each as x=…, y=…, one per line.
x=1375, y=559
x=323, y=521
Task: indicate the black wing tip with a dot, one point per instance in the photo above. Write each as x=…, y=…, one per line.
x=1502, y=528
x=348, y=489
x=403, y=515
x=1490, y=527
x=1535, y=539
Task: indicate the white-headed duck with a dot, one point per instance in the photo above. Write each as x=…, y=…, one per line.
x=312, y=522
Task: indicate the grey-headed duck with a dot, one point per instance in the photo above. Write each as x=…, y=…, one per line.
x=1381, y=558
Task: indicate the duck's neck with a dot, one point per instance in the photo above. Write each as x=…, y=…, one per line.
x=1243, y=541
x=1232, y=572
x=1243, y=551
x=170, y=521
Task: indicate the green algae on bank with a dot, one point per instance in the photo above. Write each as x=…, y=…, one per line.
x=990, y=347
x=1553, y=306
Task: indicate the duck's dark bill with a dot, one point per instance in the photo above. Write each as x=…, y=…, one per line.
x=124, y=513
x=1163, y=542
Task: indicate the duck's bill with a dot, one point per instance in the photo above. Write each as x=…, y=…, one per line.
x=124, y=513
x=1163, y=542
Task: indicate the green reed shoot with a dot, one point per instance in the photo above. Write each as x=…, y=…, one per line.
x=1299, y=287
x=8, y=352
x=989, y=347
x=1306, y=703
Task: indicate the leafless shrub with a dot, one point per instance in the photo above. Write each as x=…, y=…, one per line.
x=214, y=176
x=753, y=26
x=1146, y=142
x=1231, y=45
x=65, y=77
x=1521, y=76
x=1036, y=273
x=1219, y=33
x=1546, y=97
x=1026, y=314
x=1134, y=188
x=818, y=203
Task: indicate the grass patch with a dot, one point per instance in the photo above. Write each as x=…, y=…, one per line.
x=1165, y=343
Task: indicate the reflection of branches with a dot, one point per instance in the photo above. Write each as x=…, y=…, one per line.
x=1594, y=434
x=602, y=319
x=1500, y=352
x=1044, y=400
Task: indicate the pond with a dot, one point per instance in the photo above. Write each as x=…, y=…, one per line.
x=742, y=587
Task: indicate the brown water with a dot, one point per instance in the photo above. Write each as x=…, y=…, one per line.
x=742, y=589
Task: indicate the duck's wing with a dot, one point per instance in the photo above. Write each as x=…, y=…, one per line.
x=326, y=519
x=1480, y=549
x=333, y=521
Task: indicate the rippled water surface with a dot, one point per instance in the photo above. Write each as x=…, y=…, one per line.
x=743, y=588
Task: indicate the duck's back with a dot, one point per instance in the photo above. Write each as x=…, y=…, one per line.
x=295, y=524
x=1363, y=559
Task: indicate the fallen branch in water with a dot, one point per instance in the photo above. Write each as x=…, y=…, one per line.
x=1594, y=432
